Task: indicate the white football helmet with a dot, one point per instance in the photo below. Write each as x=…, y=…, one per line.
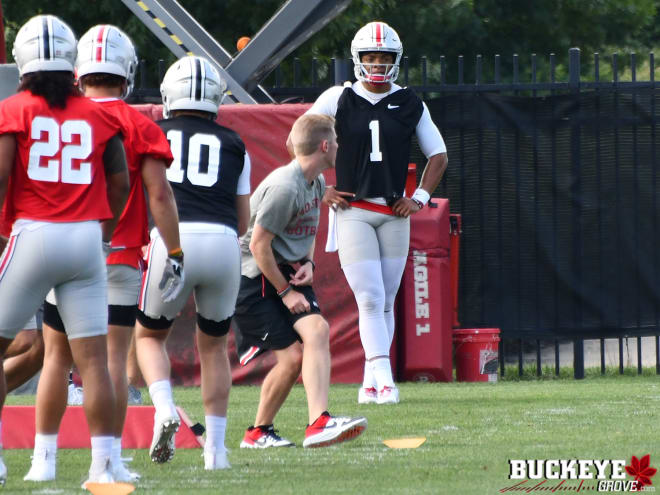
x=192, y=83
x=376, y=37
x=45, y=43
x=107, y=49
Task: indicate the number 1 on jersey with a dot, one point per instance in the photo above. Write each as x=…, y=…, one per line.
x=375, y=155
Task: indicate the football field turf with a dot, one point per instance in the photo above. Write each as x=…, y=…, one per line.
x=472, y=430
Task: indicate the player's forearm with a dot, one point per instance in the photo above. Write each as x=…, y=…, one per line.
x=243, y=213
x=117, y=191
x=164, y=212
x=310, y=254
x=7, y=155
x=265, y=259
x=433, y=172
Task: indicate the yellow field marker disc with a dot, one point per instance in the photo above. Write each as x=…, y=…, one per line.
x=109, y=488
x=405, y=443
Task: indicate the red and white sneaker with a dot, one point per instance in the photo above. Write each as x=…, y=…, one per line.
x=367, y=395
x=329, y=430
x=258, y=437
x=388, y=395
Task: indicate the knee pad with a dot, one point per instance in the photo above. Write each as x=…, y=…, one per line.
x=52, y=317
x=123, y=316
x=213, y=328
x=161, y=323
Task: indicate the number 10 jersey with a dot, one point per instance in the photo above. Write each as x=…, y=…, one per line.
x=208, y=161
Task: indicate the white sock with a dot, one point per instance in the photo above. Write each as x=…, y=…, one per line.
x=161, y=396
x=45, y=442
x=383, y=372
x=369, y=380
x=116, y=449
x=215, y=432
x=101, y=452
x=392, y=269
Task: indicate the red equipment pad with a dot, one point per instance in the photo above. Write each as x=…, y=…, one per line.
x=424, y=301
x=264, y=129
x=18, y=429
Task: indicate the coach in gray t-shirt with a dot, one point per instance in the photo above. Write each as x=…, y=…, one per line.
x=287, y=205
x=276, y=307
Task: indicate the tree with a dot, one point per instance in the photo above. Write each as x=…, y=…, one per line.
x=440, y=27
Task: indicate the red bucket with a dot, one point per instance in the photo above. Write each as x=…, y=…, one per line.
x=475, y=350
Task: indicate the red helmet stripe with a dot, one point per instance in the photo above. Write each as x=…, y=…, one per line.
x=99, y=44
x=379, y=34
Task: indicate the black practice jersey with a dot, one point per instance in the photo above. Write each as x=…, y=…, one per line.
x=208, y=160
x=374, y=143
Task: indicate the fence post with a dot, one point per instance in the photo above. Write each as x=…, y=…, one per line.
x=574, y=85
x=341, y=71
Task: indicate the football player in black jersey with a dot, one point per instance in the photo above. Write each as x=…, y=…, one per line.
x=375, y=122
x=210, y=177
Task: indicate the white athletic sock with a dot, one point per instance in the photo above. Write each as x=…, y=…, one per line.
x=161, y=395
x=45, y=442
x=366, y=281
x=116, y=449
x=101, y=452
x=392, y=269
x=383, y=372
x=369, y=380
x=215, y=432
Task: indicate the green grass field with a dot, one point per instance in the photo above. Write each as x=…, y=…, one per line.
x=471, y=429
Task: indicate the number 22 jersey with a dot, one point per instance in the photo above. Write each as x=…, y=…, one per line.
x=58, y=173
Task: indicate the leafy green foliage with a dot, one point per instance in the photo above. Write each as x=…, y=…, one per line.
x=444, y=27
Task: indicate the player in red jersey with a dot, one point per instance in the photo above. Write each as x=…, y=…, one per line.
x=64, y=177
x=105, y=66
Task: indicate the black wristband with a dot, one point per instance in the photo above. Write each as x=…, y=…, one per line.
x=418, y=203
x=307, y=260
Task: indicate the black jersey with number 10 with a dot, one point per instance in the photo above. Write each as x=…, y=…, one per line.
x=374, y=143
x=208, y=160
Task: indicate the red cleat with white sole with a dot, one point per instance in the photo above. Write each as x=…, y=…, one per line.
x=328, y=430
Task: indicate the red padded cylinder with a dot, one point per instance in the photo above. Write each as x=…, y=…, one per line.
x=424, y=303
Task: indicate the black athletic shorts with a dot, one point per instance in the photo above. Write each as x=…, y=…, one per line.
x=262, y=321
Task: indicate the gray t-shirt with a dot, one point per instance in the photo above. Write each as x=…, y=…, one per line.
x=289, y=207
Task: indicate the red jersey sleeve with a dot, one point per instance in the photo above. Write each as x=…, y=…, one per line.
x=153, y=142
x=10, y=116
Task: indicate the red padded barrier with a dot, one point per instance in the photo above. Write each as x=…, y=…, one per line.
x=455, y=230
x=264, y=129
x=424, y=301
x=18, y=429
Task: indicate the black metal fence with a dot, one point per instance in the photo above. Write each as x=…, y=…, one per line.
x=556, y=182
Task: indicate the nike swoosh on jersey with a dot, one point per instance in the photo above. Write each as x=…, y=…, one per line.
x=392, y=107
x=265, y=337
